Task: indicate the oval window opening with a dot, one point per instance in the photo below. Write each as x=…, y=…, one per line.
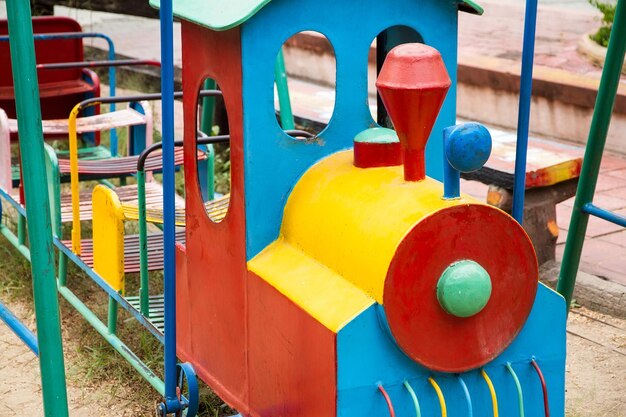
x=213, y=148
x=304, y=88
x=380, y=47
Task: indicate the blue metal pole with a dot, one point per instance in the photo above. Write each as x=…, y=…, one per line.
x=451, y=176
x=172, y=403
x=526, y=87
x=112, y=84
x=614, y=218
x=19, y=329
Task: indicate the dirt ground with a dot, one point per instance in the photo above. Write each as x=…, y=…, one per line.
x=596, y=365
x=20, y=384
x=596, y=375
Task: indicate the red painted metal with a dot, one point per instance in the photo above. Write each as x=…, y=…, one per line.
x=372, y=155
x=383, y=391
x=292, y=358
x=413, y=83
x=212, y=293
x=475, y=232
x=544, y=388
x=59, y=90
x=52, y=83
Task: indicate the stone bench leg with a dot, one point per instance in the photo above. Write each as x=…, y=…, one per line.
x=540, y=220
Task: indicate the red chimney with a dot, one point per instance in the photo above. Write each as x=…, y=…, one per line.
x=413, y=83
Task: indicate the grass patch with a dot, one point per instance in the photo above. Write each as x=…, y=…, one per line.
x=602, y=36
x=90, y=361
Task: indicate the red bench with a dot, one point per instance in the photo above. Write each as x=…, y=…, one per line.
x=60, y=90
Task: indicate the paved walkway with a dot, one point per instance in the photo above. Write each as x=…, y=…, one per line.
x=604, y=253
x=498, y=33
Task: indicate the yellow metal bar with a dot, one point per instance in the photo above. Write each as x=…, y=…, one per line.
x=492, y=392
x=73, y=137
x=108, y=237
x=442, y=401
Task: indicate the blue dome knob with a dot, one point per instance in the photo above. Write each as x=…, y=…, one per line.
x=468, y=147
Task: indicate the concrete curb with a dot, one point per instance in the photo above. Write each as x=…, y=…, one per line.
x=595, y=293
x=593, y=51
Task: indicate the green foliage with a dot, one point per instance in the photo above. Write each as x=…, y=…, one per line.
x=601, y=37
x=222, y=168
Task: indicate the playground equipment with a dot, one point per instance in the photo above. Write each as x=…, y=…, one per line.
x=59, y=90
x=320, y=308
x=583, y=205
x=137, y=253
x=342, y=280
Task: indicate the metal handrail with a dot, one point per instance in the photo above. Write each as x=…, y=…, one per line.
x=583, y=204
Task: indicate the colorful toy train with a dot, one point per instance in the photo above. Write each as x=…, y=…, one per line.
x=330, y=289
x=336, y=278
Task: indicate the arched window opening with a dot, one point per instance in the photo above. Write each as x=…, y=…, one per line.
x=381, y=46
x=213, y=172
x=305, y=79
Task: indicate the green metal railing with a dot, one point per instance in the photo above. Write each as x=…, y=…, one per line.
x=583, y=205
x=38, y=216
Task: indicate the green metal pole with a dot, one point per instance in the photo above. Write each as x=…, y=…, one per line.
x=208, y=108
x=593, y=154
x=284, y=101
x=6, y=232
x=38, y=213
x=21, y=229
x=206, y=126
x=62, y=269
x=112, y=318
x=144, y=290
x=210, y=168
x=115, y=341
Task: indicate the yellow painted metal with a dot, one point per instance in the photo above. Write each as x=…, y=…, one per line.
x=442, y=400
x=352, y=220
x=215, y=209
x=108, y=237
x=320, y=291
x=75, y=186
x=492, y=392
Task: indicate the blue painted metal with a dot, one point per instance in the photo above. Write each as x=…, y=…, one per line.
x=137, y=134
x=16, y=205
x=364, y=340
x=187, y=377
x=270, y=153
x=607, y=215
x=523, y=120
x=172, y=403
x=16, y=240
x=468, y=397
x=112, y=73
x=467, y=148
x=19, y=329
x=451, y=176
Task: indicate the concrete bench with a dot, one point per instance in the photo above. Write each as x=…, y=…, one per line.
x=551, y=177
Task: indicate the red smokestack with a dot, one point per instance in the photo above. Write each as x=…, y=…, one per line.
x=413, y=83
